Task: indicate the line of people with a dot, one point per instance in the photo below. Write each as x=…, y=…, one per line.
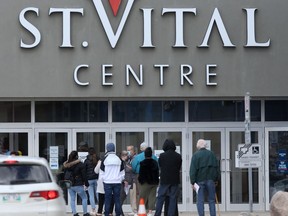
x=113, y=178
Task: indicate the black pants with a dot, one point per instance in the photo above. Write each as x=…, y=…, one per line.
x=101, y=204
x=166, y=207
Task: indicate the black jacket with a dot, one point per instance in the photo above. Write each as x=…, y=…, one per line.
x=79, y=173
x=149, y=172
x=89, y=166
x=170, y=163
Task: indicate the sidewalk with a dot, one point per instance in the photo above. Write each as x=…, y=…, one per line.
x=221, y=214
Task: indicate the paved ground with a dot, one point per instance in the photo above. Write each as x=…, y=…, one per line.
x=222, y=214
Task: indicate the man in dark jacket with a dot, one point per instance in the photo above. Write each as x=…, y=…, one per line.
x=170, y=163
x=204, y=174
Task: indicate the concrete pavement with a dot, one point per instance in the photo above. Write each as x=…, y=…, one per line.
x=238, y=213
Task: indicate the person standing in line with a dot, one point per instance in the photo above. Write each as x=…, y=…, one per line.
x=170, y=163
x=140, y=157
x=205, y=172
x=148, y=179
x=90, y=164
x=128, y=179
x=101, y=192
x=136, y=167
x=112, y=171
x=132, y=176
x=79, y=184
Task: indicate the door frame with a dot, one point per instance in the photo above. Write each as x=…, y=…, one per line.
x=185, y=181
x=23, y=130
x=222, y=165
x=240, y=207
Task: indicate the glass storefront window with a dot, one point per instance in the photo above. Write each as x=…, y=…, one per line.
x=14, y=143
x=71, y=111
x=148, y=111
x=278, y=162
x=276, y=110
x=15, y=111
x=222, y=111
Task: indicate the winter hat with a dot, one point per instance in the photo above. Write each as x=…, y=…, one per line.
x=279, y=204
x=148, y=152
x=110, y=147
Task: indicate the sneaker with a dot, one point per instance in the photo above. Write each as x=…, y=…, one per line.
x=93, y=213
x=76, y=214
x=86, y=214
x=149, y=214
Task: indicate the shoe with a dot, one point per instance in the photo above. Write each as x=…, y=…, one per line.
x=98, y=214
x=86, y=214
x=76, y=214
x=93, y=213
x=131, y=213
x=149, y=214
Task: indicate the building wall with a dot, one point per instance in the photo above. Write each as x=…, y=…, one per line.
x=240, y=59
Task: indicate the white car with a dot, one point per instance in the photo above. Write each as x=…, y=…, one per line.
x=28, y=188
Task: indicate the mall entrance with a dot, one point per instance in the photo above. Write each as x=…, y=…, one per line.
x=232, y=190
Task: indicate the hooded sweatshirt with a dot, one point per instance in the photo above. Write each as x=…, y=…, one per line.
x=170, y=163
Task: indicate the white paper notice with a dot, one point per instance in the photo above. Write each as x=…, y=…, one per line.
x=196, y=187
x=126, y=189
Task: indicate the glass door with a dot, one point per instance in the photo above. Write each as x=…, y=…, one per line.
x=16, y=142
x=237, y=179
x=215, y=142
x=276, y=161
x=124, y=137
x=54, y=145
x=157, y=137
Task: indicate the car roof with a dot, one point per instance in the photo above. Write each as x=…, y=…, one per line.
x=24, y=159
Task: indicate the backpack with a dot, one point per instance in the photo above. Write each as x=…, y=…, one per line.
x=69, y=176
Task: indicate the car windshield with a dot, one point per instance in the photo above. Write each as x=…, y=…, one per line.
x=23, y=174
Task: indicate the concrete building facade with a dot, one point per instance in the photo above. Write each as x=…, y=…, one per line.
x=129, y=71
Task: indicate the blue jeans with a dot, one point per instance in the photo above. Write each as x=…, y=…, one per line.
x=172, y=192
x=92, y=191
x=73, y=191
x=209, y=187
x=112, y=190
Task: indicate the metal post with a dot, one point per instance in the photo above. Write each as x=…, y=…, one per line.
x=248, y=143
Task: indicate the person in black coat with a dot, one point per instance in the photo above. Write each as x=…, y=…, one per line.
x=170, y=163
x=80, y=181
x=148, y=179
x=90, y=164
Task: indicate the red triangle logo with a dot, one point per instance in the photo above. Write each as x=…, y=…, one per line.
x=115, y=6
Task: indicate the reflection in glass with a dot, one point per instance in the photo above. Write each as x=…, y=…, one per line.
x=15, y=143
x=15, y=111
x=71, y=111
x=222, y=111
x=148, y=111
x=278, y=161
